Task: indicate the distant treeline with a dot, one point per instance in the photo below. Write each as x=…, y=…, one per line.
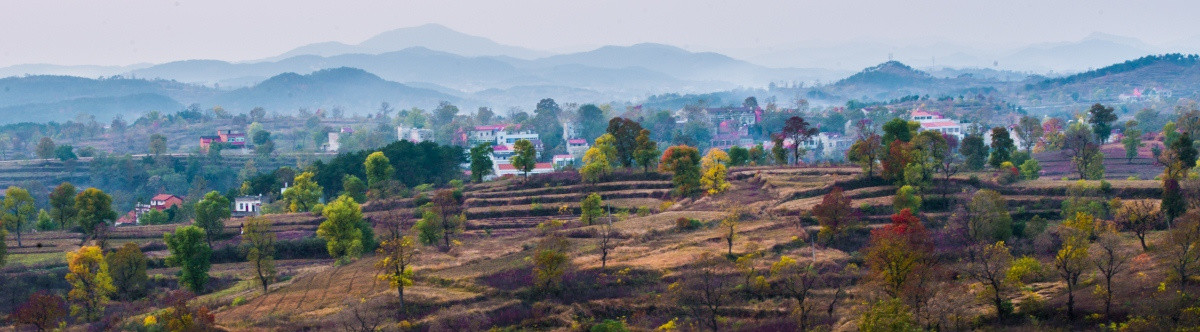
x=1174, y=58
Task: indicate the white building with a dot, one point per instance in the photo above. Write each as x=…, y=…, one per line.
x=935, y=122
x=415, y=135
x=247, y=206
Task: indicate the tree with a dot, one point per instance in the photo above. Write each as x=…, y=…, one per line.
x=341, y=230
x=729, y=226
x=550, y=263
x=45, y=148
x=192, y=254
x=354, y=187
x=895, y=160
x=1139, y=217
x=866, y=152
x=546, y=123
x=1031, y=170
x=1173, y=204
x=738, y=156
x=19, y=211
x=1185, y=151
x=647, y=152
x=590, y=208
x=624, y=132
x=897, y=252
x=481, y=161
x=158, y=145
x=1072, y=259
x=91, y=285
x=1110, y=258
x=65, y=152
x=95, y=212
x=1132, y=141
x=303, y=193
x=44, y=311
x=798, y=131
x=757, y=156
x=524, y=156
x=62, y=204
x=398, y=253
x=127, y=266
x=598, y=159
x=260, y=249
x=898, y=129
x=714, y=172
x=887, y=315
x=591, y=121
x=378, y=168
x=778, y=152
x=797, y=281
x=607, y=240
x=684, y=163
x=211, y=212
x=1029, y=130
x=906, y=199
x=989, y=265
x=1101, y=119
x=1183, y=250
x=835, y=214
x=988, y=219
x=1002, y=147
x=974, y=152
x=705, y=290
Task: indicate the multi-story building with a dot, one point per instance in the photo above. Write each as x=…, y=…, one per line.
x=415, y=135
x=935, y=122
x=232, y=138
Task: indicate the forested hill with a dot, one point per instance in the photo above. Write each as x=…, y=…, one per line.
x=892, y=80
x=1147, y=67
x=339, y=87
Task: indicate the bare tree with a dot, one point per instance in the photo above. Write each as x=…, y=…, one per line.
x=1110, y=259
x=607, y=243
x=1139, y=217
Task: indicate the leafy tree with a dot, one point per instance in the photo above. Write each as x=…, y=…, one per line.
x=757, y=155
x=65, y=152
x=481, y=161
x=895, y=160
x=19, y=211
x=1101, y=119
x=598, y=159
x=714, y=171
x=988, y=217
x=625, y=133
x=95, y=212
x=1029, y=130
x=1139, y=217
x=1072, y=259
x=898, y=129
x=1183, y=250
x=45, y=148
x=211, y=212
x=738, y=156
x=260, y=249
x=898, y=252
x=989, y=265
x=263, y=144
x=524, y=156
x=341, y=230
x=398, y=253
x=546, y=123
x=887, y=315
x=303, y=194
x=1185, y=151
x=429, y=229
x=550, y=263
x=778, y=152
x=798, y=131
x=91, y=285
x=192, y=254
x=591, y=208
x=684, y=163
x=1132, y=141
x=158, y=145
x=154, y=217
x=44, y=222
x=906, y=199
x=354, y=187
x=974, y=152
x=647, y=152
x=1031, y=170
x=62, y=204
x=127, y=266
x=44, y=311
x=835, y=214
x=1002, y=147
x=378, y=169
x=866, y=152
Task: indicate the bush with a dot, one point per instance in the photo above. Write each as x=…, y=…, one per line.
x=609, y=325
x=237, y=301
x=688, y=223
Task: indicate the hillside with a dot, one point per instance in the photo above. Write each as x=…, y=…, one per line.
x=1177, y=73
x=893, y=79
x=350, y=88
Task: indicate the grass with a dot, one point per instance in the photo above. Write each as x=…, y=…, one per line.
x=44, y=258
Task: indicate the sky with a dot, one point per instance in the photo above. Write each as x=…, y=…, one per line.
x=129, y=32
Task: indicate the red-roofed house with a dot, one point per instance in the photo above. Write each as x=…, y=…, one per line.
x=165, y=201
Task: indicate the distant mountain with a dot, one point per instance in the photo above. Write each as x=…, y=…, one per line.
x=1093, y=51
x=679, y=63
x=1177, y=73
x=892, y=79
x=82, y=71
x=349, y=88
x=43, y=89
x=431, y=36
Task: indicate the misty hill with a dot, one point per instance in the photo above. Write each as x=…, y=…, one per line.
x=51, y=89
x=892, y=79
x=1177, y=73
x=103, y=108
x=350, y=88
x=1095, y=50
x=431, y=36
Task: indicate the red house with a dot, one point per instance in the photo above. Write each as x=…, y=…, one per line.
x=164, y=201
x=234, y=139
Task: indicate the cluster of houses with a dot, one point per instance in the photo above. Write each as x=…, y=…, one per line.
x=232, y=138
x=243, y=206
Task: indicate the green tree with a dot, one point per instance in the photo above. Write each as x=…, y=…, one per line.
x=379, y=169
x=44, y=221
x=95, y=212
x=354, y=187
x=1101, y=119
x=158, y=145
x=45, y=148
x=428, y=228
x=684, y=163
x=1002, y=147
x=19, y=211
x=524, y=156
x=906, y=198
x=757, y=155
x=624, y=132
x=91, y=285
x=211, y=212
x=591, y=208
x=341, y=229
x=65, y=152
x=989, y=265
x=1029, y=130
x=550, y=263
x=975, y=153
x=303, y=194
x=898, y=129
x=1185, y=151
x=888, y=315
x=647, y=152
x=988, y=217
x=1132, y=141
x=260, y=249
x=591, y=121
x=481, y=162
x=62, y=205
x=127, y=266
x=738, y=156
x=263, y=144
x=191, y=254
x=866, y=152
x=778, y=152
x=154, y=217
x=1031, y=170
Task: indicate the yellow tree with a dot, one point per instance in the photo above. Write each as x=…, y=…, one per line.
x=598, y=159
x=260, y=251
x=729, y=227
x=1072, y=259
x=398, y=253
x=714, y=171
x=91, y=286
x=303, y=193
x=343, y=237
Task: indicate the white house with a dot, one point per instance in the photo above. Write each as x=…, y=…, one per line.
x=415, y=135
x=247, y=206
x=935, y=122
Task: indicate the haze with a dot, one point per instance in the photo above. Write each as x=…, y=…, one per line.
x=130, y=32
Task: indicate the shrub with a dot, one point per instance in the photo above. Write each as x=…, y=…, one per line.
x=237, y=301
x=687, y=223
x=643, y=211
x=609, y=325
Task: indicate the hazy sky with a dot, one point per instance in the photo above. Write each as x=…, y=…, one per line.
x=127, y=32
